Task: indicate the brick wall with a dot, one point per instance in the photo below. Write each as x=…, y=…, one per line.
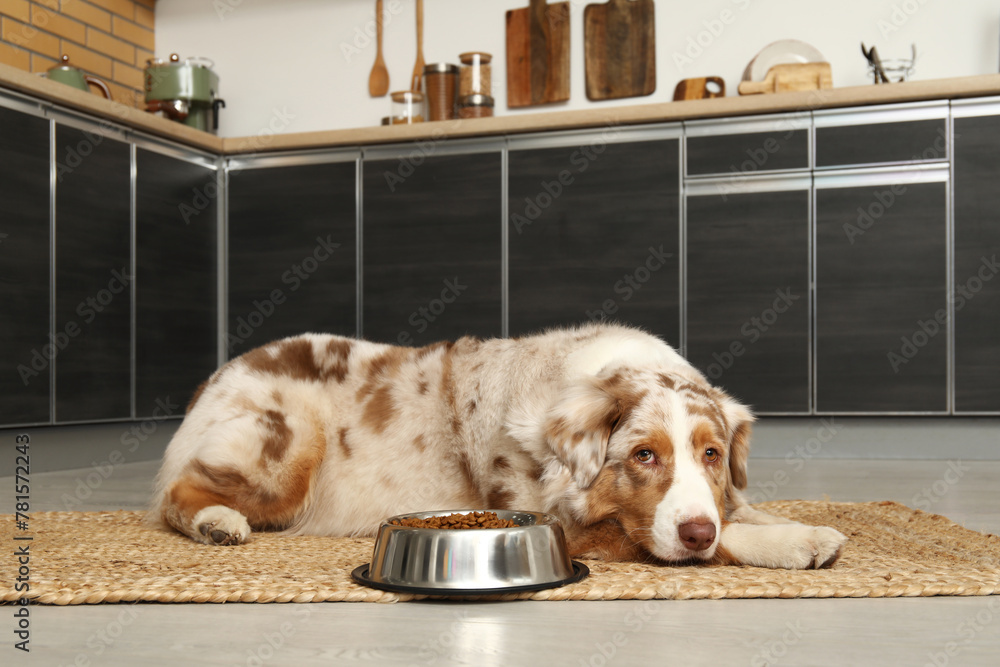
x=109, y=39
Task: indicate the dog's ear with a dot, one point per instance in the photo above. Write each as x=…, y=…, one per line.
x=579, y=426
x=739, y=423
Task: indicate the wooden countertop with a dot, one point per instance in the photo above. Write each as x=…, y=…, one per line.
x=594, y=117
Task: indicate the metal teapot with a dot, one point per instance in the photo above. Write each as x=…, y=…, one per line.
x=71, y=76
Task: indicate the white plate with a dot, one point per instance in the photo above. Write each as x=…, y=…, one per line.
x=782, y=52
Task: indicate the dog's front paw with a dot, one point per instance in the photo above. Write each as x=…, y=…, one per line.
x=818, y=546
x=220, y=525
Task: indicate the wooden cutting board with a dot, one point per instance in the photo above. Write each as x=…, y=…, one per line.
x=791, y=77
x=538, y=54
x=619, y=42
x=700, y=88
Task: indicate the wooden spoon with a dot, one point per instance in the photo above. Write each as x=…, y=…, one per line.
x=418, y=68
x=378, y=80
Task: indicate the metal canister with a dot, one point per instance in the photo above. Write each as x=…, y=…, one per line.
x=441, y=88
x=184, y=90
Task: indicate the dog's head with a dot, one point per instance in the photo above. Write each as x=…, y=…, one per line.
x=658, y=452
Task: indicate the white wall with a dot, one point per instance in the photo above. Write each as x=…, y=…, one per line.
x=290, y=64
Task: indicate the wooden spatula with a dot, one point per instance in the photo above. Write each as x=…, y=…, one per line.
x=378, y=80
x=418, y=68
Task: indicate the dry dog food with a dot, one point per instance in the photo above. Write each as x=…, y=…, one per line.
x=473, y=520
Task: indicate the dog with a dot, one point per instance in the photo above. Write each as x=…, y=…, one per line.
x=605, y=426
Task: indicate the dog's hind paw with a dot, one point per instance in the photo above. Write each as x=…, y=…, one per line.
x=221, y=525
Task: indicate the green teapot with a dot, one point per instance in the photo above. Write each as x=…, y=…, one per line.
x=71, y=76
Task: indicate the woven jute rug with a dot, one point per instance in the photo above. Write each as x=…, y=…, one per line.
x=94, y=557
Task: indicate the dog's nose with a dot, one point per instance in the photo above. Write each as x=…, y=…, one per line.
x=697, y=534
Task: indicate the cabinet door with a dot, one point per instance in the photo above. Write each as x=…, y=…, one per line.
x=93, y=277
x=593, y=236
x=977, y=249
x=176, y=282
x=432, y=248
x=292, y=255
x=904, y=141
x=25, y=347
x=748, y=153
x=748, y=295
x=881, y=307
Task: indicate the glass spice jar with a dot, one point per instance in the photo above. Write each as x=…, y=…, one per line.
x=441, y=88
x=476, y=77
x=407, y=107
x=475, y=106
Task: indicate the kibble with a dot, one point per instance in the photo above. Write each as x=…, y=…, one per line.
x=452, y=521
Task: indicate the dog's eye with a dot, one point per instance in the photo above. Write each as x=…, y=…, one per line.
x=711, y=455
x=645, y=456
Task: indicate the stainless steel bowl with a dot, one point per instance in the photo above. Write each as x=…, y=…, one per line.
x=437, y=561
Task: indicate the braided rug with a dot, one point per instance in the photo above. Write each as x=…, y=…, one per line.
x=95, y=557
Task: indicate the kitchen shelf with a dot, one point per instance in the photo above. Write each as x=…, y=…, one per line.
x=596, y=117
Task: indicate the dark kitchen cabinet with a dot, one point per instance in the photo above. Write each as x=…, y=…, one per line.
x=292, y=252
x=881, y=302
x=874, y=143
x=176, y=327
x=93, y=306
x=748, y=153
x=594, y=236
x=25, y=284
x=748, y=302
x=432, y=247
x=977, y=249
